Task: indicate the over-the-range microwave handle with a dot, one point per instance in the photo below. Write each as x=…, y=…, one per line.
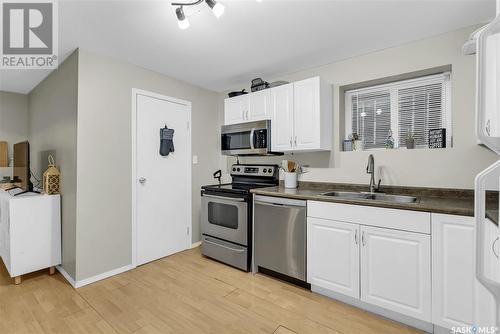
x=483, y=124
x=488, y=176
x=252, y=136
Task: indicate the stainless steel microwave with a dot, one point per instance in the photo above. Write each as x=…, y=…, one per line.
x=252, y=138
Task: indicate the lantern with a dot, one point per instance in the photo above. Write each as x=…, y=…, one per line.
x=52, y=179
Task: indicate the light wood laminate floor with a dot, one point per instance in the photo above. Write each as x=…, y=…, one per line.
x=183, y=293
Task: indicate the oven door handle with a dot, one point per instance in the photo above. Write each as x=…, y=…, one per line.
x=224, y=246
x=252, y=135
x=225, y=198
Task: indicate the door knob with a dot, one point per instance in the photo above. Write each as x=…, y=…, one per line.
x=142, y=180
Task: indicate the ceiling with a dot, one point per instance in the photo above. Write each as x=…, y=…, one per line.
x=251, y=39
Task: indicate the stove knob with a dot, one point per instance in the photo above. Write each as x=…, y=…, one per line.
x=234, y=169
x=270, y=171
x=264, y=171
x=238, y=169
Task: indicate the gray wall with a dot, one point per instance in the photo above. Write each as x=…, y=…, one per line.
x=52, y=127
x=450, y=168
x=104, y=155
x=13, y=122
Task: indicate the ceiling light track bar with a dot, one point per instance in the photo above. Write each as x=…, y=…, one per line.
x=194, y=3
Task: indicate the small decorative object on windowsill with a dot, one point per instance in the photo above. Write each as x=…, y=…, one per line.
x=347, y=144
x=410, y=140
x=357, y=142
x=52, y=179
x=389, y=142
x=437, y=138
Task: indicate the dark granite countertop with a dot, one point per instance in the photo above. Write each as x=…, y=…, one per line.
x=436, y=200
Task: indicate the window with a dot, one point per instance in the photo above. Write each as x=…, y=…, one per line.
x=410, y=106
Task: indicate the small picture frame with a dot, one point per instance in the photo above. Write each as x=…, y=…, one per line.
x=437, y=138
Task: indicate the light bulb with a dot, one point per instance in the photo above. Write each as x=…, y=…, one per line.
x=218, y=10
x=184, y=24
x=181, y=19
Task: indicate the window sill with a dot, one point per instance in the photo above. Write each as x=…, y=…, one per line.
x=399, y=149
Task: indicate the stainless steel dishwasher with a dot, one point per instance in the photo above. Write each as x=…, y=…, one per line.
x=280, y=236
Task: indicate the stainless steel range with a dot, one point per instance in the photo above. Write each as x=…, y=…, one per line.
x=226, y=218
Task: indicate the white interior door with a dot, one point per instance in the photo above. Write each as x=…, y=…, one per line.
x=163, y=183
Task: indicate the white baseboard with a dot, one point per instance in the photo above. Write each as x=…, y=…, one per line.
x=66, y=276
x=416, y=323
x=102, y=276
x=93, y=279
x=195, y=244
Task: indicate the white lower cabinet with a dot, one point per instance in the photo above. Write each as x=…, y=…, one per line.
x=396, y=271
x=387, y=260
x=333, y=256
x=458, y=298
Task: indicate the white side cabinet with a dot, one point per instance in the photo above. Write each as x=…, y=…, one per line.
x=333, y=256
x=458, y=299
x=30, y=233
x=396, y=271
x=248, y=107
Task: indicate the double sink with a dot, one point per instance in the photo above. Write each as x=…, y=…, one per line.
x=372, y=196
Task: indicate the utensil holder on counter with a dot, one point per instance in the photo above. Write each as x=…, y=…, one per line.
x=291, y=180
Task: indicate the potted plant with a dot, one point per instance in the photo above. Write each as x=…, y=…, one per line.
x=410, y=140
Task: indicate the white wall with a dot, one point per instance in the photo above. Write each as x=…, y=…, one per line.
x=13, y=122
x=449, y=168
x=104, y=155
x=52, y=120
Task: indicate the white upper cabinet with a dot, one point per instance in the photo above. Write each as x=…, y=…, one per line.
x=458, y=299
x=259, y=106
x=396, y=271
x=311, y=126
x=333, y=256
x=301, y=114
x=248, y=107
x=236, y=109
x=282, y=118
x=307, y=114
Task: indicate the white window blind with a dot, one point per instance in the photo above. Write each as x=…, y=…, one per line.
x=415, y=105
x=371, y=117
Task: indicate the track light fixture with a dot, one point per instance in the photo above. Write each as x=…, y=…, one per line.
x=217, y=9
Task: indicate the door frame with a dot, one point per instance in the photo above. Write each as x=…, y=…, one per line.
x=189, y=223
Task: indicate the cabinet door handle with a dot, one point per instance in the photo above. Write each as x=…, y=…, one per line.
x=356, y=237
x=493, y=247
x=295, y=141
x=291, y=142
x=488, y=127
x=363, y=241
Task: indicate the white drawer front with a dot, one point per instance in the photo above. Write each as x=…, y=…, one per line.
x=406, y=220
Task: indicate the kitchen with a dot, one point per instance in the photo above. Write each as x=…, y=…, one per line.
x=231, y=174
x=392, y=235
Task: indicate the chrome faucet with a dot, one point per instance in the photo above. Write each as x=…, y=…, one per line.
x=370, y=169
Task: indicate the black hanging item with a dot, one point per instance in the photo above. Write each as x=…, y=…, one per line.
x=166, y=141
